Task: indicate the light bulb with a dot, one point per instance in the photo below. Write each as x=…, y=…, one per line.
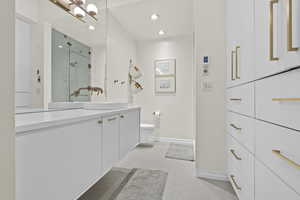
x=154, y=17
x=92, y=9
x=92, y=28
x=161, y=32
x=78, y=12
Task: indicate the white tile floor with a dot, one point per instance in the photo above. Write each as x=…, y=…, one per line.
x=182, y=183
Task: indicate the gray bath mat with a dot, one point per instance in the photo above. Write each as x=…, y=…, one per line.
x=125, y=184
x=181, y=152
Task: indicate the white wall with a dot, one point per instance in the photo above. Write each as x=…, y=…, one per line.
x=121, y=47
x=7, y=134
x=210, y=138
x=176, y=109
x=98, y=61
x=28, y=9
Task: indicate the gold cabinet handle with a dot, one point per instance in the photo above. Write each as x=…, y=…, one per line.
x=235, y=127
x=112, y=119
x=235, y=99
x=100, y=122
x=235, y=183
x=291, y=162
x=286, y=99
x=290, y=26
x=233, y=54
x=234, y=154
x=272, y=57
x=237, y=63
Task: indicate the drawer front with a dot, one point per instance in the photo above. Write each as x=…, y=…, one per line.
x=242, y=129
x=241, y=99
x=278, y=148
x=278, y=99
x=269, y=187
x=240, y=173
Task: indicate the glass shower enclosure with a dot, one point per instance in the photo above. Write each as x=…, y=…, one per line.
x=71, y=68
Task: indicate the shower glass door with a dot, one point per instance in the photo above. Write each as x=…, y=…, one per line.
x=71, y=68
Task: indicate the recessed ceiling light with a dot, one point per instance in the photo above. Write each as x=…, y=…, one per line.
x=154, y=17
x=92, y=28
x=161, y=32
x=60, y=46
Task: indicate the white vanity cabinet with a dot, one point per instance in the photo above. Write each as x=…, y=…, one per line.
x=129, y=131
x=111, y=140
x=58, y=162
x=61, y=154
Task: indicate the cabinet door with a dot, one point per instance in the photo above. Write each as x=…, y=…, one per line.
x=290, y=26
x=58, y=163
x=231, y=39
x=129, y=131
x=268, y=55
x=240, y=41
x=111, y=140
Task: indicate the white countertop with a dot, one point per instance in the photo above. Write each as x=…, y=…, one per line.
x=33, y=121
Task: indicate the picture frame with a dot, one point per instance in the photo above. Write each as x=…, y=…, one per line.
x=165, y=85
x=165, y=67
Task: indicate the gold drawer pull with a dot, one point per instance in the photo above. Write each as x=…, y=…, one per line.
x=272, y=57
x=286, y=99
x=290, y=26
x=235, y=99
x=292, y=163
x=237, y=63
x=235, y=127
x=235, y=183
x=234, y=154
x=233, y=53
x=112, y=119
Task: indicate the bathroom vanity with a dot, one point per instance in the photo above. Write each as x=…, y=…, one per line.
x=61, y=154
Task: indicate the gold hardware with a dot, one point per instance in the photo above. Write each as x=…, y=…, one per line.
x=112, y=119
x=232, y=65
x=272, y=57
x=234, y=154
x=235, y=99
x=235, y=127
x=290, y=26
x=235, y=183
x=292, y=163
x=100, y=122
x=286, y=99
x=237, y=65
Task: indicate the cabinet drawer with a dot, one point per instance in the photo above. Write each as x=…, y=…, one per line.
x=240, y=169
x=278, y=99
x=278, y=148
x=242, y=129
x=269, y=187
x=241, y=99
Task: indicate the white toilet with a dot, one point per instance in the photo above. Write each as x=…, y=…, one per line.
x=147, y=133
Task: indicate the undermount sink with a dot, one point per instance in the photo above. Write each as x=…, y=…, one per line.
x=104, y=105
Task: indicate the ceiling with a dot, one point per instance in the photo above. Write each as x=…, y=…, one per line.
x=176, y=17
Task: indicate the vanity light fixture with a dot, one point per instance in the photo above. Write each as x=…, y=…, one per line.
x=154, y=17
x=92, y=9
x=161, y=32
x=77, y=8
x=92, y=28
x=78, y=12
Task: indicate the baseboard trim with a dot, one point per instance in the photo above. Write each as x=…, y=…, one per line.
x=173, y=140
x=211, y=175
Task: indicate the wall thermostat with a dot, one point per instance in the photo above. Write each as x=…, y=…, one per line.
x=205, y=66
x=206, y=60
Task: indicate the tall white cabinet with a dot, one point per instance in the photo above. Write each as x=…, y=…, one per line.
x=263, y=98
